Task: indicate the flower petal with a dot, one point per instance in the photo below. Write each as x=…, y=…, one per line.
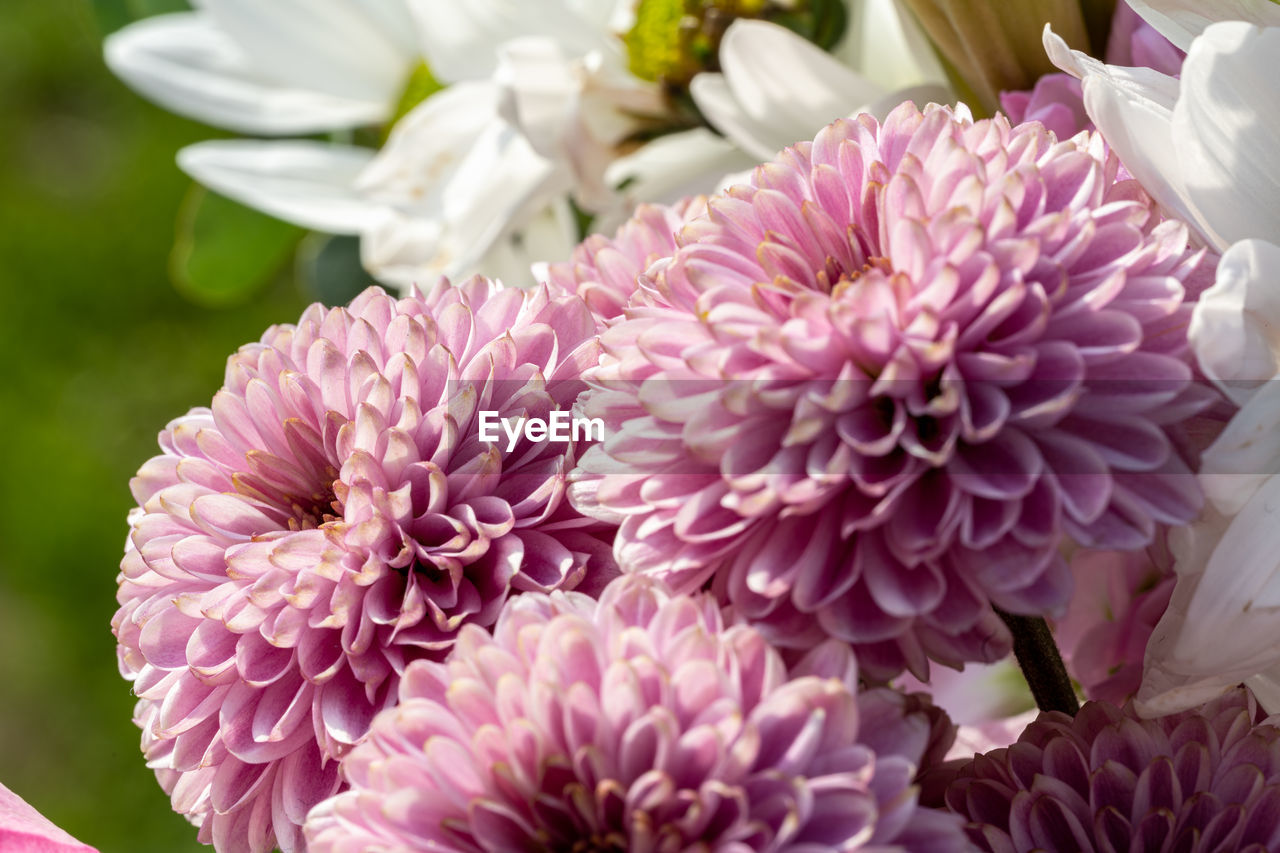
x=307, y=183
x=499, y=182
x=25, y=830
x=885, y=42
x=1133, y=109
x=349, y=48
x=186, y=64
x=784, y=88
x=1180, y=21
x=1235, y=327
x=459, y=38
x=1221, y=625
x=1226, y=123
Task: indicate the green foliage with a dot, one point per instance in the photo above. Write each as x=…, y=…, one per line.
x=421, y=85
x=99, y=353
x=111, y=15
x=329, y=268
x=224, y=252
x=820, y=21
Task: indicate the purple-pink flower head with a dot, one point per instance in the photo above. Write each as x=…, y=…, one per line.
x=603, y=270
x=333, y=516
x=872, y=390
x=639, y=722
x=1199, y=781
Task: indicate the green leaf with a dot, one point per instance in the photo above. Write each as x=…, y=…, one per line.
x=420, y=85
x=329, y=269
x=114, y=14
x=224, y=252
x=829, y=22
x=820, y=21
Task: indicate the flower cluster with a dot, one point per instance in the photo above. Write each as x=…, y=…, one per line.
x=910, y=392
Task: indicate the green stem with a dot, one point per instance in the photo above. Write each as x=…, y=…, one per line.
x=1041, y=664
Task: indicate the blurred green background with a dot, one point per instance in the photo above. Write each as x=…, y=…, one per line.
x=100, y=352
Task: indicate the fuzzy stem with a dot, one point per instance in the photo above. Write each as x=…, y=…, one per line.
x=1041, y=664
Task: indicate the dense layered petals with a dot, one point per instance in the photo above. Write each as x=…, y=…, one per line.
x=605, y=271
x=639, y=722
x=334, y=515
x=1205, y=780
x=25, y=830
x=872, y=391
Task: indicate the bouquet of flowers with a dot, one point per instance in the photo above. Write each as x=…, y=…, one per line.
x=771, y=420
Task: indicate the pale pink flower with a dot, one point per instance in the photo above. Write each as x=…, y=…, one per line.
x=1118, y=599
x=333, y=516
x=641, y=722
x=873, y=391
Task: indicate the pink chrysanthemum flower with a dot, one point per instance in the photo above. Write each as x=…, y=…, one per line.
x=871, y=392
x=639, y=722
x=603, y=270
x=1119, y=598
x=1199, y=781
x=332, y=517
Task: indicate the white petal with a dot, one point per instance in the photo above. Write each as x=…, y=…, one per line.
x=1180, y=21
x=543, y=89
x=922, y=95
x=887, y=45
x=332, y=46
x=1137, y=122
x=459, y=38
x=500, y=182
x=1170, y=685
x=1221, y=626
x=783, y=82
x=718, y=104
x=1247, y=453
x=674, y=166
x=187, y=65
x=1227, y=123
x=311, y=184
x=1235, y=326
x=429, y=143
x=1265, y=687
